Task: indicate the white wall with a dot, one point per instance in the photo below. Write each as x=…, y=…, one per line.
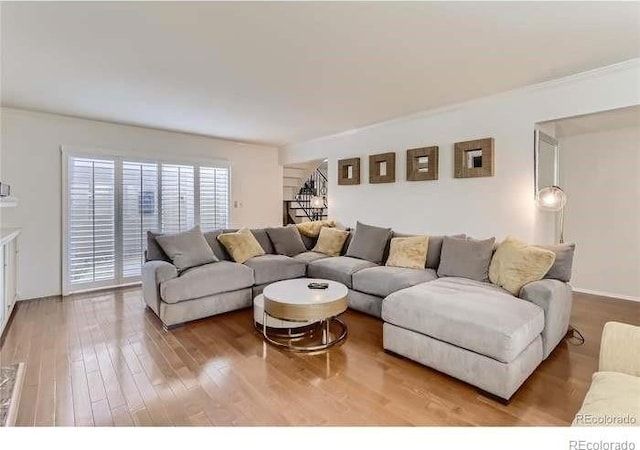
x=497, y=206
x=31, y=163
x=601, y=176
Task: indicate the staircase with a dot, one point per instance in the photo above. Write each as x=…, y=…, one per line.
x=305, y=192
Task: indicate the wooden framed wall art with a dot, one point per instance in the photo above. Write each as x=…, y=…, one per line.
x=474, y=158
x=382, y=168
x=349, y=171
x=422, y=164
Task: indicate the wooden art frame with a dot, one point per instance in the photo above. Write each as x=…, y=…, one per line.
x=349, y=171
x=382, y=168
x=422, y=163
x=474, y=158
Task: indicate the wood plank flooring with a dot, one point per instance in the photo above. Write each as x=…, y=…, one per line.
x=103, y=359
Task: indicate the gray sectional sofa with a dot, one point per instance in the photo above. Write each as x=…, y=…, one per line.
x=474, y=331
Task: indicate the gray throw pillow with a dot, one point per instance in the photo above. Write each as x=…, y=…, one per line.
x=187, y=249
x=286, y=240
x=561, y=269
x=369, y=243
x=262, y=237
x=466, y=258
x=154, y=251
x=435, y=250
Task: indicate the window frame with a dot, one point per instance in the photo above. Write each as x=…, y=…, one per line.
x=68, y=152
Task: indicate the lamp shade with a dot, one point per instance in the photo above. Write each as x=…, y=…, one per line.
x=551, y=198
x=317, y=202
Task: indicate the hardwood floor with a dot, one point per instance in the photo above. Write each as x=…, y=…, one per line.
x=104, y=359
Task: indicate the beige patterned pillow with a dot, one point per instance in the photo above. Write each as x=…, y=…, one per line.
x=409, y=252
x=515, y=264
x=312, y=228
x=241, y=245
x=330, y=241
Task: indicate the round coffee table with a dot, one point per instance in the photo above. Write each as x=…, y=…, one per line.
x=292, y=301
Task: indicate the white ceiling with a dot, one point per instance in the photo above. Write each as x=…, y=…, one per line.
x=614, y=119
x=284, y=72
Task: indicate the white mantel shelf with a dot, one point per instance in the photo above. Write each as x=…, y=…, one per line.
x=7, y=234
x=8, y=202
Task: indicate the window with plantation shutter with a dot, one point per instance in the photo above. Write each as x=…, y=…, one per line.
x=139, y=213
x=91, y=222
x=214, y=198
x=178, y=203
x=112, y=202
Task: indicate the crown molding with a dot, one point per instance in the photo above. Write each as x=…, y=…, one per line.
x=589, y=74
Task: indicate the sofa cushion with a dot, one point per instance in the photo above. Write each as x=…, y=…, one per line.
x=433, y=251
x=210, y=279
x=187, y=249
x=312, y=228
x=218, y=249
x=611, y=395
x=384, y=280
x=154, y=251
x=308, y=257
x=339, y=268
x=561, y=269
x=515, y=264
x=408, y=252
x=286, y=240
x=469, y=314
x=270, y=268
x=467, y=258
x=263, y=238
x=330, y=241
x=241, y=245
x=369, y=243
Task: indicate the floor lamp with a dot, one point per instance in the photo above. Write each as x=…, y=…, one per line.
x=554, y=199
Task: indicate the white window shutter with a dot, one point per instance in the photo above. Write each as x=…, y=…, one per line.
x=178, y=212
x=91, y=221
x=139, y=213
x=214, y=198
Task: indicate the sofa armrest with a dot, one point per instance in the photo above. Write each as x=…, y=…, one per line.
x=555, y=298
x=619, y=349
x=154, y=273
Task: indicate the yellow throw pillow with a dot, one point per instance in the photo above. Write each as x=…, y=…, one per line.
x=312, y=229
x=330, y=241
x=515, y=264
x=241, y=245
x=409, y=252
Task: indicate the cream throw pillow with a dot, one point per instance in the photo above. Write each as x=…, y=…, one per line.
x=515, y=264
x=330, y=241
x=409, y=252
x=241, y=245
x=312, y=228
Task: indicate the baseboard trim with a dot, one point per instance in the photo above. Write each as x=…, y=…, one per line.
x=607, y=294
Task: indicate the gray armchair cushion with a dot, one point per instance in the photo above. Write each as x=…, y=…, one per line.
x=210, y=279
x=476, y=316
x=286, y=240
x=270, y=268
x=561, y=269
x=369, y=243
x=383, y=280
x=466, y=258
x=308, y=257
x=337, y=268
x=187, y=249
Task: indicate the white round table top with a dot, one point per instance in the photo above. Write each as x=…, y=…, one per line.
x=297, y=292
